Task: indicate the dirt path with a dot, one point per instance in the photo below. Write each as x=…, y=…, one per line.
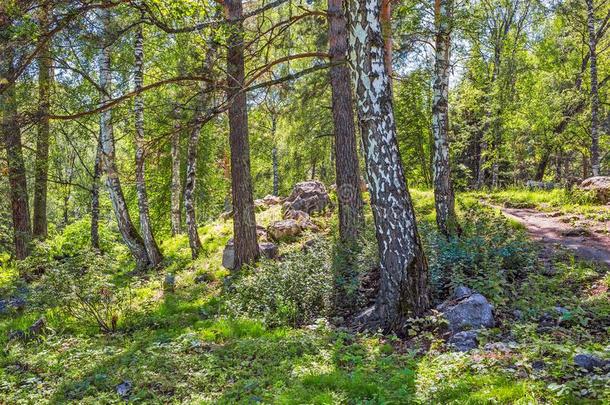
x=550, y=230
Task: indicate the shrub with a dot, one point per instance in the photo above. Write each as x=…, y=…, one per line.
x=488, y=257
x=294, y=291
x=84, y=287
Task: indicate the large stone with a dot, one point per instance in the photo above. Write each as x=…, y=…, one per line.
x=467, y=311
x=285, y=229
x=268, y=249
x=303, y=219
x=308, y=196
x=590, y=362
x=228, y=256
x=600, y=186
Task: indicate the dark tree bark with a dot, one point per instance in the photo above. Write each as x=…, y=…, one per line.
x=129, y=233
x=176, y=188
x=444, y=199
x=244, y=222
x=95, y=198
x=154, y=254
x=45, y=77
x=541, y=167
x=11, y=135
x=594, y=89
x=351, y=217
x=403, y=266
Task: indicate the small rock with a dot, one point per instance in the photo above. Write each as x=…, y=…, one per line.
x=464, y=341
x=272, y=200
x=497, y=347
x=518, y=314
x=590, y=362
x=37, y=327
x=228, y=256
x=203, y=278
x=124, y=389
x=268, y=249
x=169, y=283
x=16, y=335
x=538, y=365
x=600, y=186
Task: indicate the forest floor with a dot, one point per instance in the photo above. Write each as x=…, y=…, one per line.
x=266, y=336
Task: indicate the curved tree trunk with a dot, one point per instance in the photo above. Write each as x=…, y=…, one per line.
x=11, y=135
x=351, y=217
x=444, y=199
x=244, y=222
x=594, y=89
x=129, y=233
x=45, y=77
x=403, y=266
x=154, y=254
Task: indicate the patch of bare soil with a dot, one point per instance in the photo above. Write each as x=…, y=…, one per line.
x=577, y=234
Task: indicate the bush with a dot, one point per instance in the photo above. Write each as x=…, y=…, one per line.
x=488, y=257
x=294, y=291
x=83, y=287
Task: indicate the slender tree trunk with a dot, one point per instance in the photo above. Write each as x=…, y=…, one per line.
x=11, y=134
x=45, y=75
x=244, y=222
x=351, y=217
x=154, y=254
x=403, y=267
x=95, y=198
x=276, y=169
x=190, y=183
x=386, y=31
x=176, y=214
x=129, y=233
x=444, y=198
x=594, y=89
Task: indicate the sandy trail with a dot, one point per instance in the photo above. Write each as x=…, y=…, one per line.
x=551, y=231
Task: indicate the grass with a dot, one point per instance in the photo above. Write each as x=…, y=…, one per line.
x=182, y=347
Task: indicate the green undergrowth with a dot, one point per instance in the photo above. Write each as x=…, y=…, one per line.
x=560, y=200
x=265, y=335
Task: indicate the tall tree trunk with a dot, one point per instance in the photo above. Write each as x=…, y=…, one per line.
x=244, y=222
x=129, y=233
x=95, y=197
x=594, y=89
x=386, y=31
x=191, y=179
x=403, y=267
x=351, y=217
x=444, y=198
x=11, y=134
x=276, y=169
x=175, y=190
x=154, y=254
x=45, y=75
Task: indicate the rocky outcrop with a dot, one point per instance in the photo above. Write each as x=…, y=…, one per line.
x=308, y=196
x=599, y=186
x=590, y=362
x=267, y=249
x=302, y=218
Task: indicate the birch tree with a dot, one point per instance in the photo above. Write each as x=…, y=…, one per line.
x=403, y=266
x=444, y=199
x=130, y=235
x=154, y=254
